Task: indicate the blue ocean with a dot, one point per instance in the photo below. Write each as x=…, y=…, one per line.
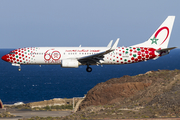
x=35, y=83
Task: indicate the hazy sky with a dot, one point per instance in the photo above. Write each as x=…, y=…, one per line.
x=29, y=23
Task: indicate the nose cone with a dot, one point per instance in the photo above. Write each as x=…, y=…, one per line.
x=5, y=58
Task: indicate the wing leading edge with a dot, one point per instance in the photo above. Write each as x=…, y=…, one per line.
x=95, y=58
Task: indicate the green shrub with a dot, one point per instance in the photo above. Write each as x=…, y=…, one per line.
x=56, y=107
x=47, y=108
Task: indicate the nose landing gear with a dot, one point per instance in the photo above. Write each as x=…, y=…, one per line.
x=19, y=68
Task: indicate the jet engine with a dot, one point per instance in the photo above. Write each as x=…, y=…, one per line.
x=70, y=63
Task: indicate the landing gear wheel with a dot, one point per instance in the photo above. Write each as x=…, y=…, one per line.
x=19, y=68
x=88, y=69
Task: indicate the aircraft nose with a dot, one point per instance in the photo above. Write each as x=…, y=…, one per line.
x=5, y=58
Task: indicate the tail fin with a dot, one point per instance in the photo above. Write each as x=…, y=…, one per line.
x=161, y=36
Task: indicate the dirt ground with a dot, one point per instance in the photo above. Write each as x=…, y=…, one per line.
x=28, y=114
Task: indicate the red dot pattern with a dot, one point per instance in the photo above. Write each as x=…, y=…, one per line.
x=22, y=55
x=126, y=55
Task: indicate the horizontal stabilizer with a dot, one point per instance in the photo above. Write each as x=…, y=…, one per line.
x=165, y=49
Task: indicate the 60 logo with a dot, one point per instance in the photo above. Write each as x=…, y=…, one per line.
x=52, y=56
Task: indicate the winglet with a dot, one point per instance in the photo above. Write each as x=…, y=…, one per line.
x=115, y=45
x=110, y=43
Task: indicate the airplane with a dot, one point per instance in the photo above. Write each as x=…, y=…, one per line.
x=73, y=57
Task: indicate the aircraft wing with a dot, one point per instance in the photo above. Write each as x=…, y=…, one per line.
x=165, y=49
x=95, y=58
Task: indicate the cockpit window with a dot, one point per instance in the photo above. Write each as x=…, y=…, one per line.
x=12, y=53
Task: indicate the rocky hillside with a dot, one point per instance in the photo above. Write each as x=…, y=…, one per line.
x=153, y=94
x=142, y=86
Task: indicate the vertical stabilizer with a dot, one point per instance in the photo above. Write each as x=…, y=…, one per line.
x=161, y=36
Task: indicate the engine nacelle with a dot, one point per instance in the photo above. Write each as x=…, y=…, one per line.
x=69, y=63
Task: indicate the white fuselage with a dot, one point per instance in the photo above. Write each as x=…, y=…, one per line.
x=55, y=55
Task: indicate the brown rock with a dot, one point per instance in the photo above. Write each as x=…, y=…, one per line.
x=108, y=94
x=131, y=88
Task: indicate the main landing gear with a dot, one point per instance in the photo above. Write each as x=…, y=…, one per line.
x=88, y=69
